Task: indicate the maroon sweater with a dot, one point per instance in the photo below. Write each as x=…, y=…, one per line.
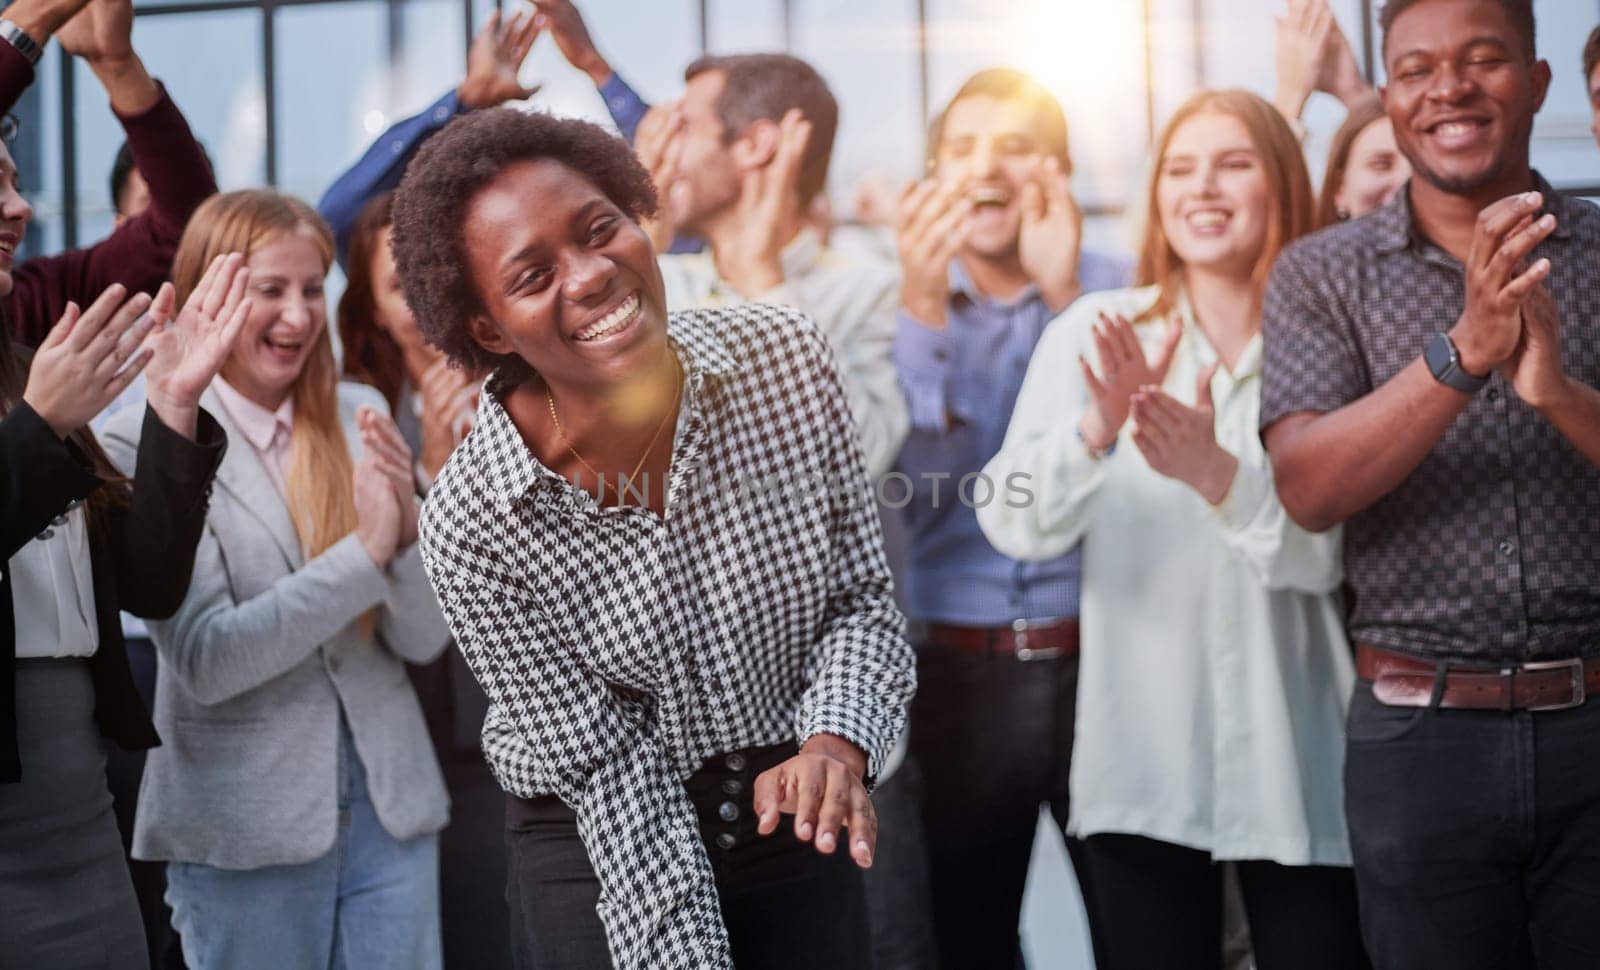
x=138, y=254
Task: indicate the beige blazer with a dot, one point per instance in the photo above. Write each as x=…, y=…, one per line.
x=256, y=666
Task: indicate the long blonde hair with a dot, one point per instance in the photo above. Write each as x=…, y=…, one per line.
x=318, y=483
x=1289, y=213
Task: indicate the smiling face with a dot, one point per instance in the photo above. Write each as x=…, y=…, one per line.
x=287, y=317
x=708, y=181
x=990, y=145
x=1213, y=196
x=390, y=311
x=14, y=215
x=1462, y=94
x=566, y=280
x=1375, y=170
x=1594, y=103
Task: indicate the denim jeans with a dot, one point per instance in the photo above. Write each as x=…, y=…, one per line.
x=371, y=901
x=1476, y=835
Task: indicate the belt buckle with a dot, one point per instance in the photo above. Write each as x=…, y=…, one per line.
x=1019, y=641
x=1574, y=666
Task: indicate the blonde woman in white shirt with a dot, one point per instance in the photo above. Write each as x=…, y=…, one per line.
x=1214, y=669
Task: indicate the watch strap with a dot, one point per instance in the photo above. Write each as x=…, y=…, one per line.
x=18, y=38
x=1444, y=362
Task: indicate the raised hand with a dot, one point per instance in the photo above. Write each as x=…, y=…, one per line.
x=495, y=58
x=103, y=31
x=1124, y=369
x=1051, y=233
x=381, y=442
x=1300, y=49
x=822, y=788
x=378, y=523
x=446, y=392
x=768, y=207
x=87, y=359
x=42, y=19
x=571, y=35
x=931, y=226
x=659, y=145
x=187, y=352
x=1490, y=328
x=1180, y=441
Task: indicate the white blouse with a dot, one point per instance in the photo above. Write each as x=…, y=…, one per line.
x=1215, y=671
x=52, y=591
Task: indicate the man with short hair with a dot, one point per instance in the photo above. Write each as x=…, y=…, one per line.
x=1430, y=382
x=989, y=253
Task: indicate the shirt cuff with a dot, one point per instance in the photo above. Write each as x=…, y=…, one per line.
x=1250, y=488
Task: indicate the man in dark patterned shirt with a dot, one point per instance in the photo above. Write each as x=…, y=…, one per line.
x=1430, y=383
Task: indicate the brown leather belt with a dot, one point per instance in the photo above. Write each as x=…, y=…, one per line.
x=1547, y=685
x=1023, y=639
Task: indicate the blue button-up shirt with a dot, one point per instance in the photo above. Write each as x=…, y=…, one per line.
x=960, y=385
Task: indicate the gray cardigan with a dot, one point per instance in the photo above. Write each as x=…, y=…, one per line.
x=254, y=669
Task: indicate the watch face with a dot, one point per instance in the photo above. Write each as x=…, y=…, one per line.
x=1440, y=356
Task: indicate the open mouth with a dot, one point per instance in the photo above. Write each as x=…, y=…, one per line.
x=989, y=195
x=1208, y=221
x=1457, y=131
x=612, y=323
x=8, y=246
x=283, y=348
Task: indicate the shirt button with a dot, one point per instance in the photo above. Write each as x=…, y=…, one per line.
x=725, y=841
x=732, y=786
x=441, y=113
x=397, y=147
x=728, y=812
x=1507, y=547
x=735, y=762
x=47, y=534
x=1494, y=394
x=59, y=520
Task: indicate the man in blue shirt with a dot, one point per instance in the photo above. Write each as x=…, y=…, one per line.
x=989, y=252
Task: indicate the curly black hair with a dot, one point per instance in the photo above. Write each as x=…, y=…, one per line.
x=430, y=207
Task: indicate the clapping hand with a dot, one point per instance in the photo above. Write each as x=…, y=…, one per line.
x=187, y=352
x=1124, y=370
x=659, y=145
x=88, y=358
x=769, y=205
x=1050, y=233
x=389, y=454
x=931, y=226
x=1180, y=441
x=494, y=60
x=1489, y=330
x=448, y=401
x=1534, y=368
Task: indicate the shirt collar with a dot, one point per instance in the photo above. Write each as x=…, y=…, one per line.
x=510, y=467
x=259, y=426
x=961, y=285
x=1249, y=362
x=1395, y=226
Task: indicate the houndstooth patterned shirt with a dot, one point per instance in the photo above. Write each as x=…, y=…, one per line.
x=1490, y=550
x=621, y=649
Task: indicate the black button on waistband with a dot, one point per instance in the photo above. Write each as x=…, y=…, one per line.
x=732, y=786
x=735, y=762
x=728, y=812
x=725, y=841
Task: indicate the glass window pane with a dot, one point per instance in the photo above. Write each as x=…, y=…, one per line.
x=211, y=64
x=866, y=49
x=432, y=56
x=37, y=152
x=332, y=81
x=744, y=26
x=1563, y=146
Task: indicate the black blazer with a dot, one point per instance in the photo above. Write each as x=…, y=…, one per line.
x=142, y=554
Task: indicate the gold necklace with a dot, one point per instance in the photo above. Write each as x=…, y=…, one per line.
x=676, y=397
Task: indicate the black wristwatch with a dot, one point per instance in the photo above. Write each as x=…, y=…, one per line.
x=1445, y=363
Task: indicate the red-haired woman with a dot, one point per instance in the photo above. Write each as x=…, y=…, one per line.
x=1215, y=670
x=297, y=799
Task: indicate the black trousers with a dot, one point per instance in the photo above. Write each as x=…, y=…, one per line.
x=785, y=905
x=1476, y=835
x=1156, y=904
x=992, y=736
